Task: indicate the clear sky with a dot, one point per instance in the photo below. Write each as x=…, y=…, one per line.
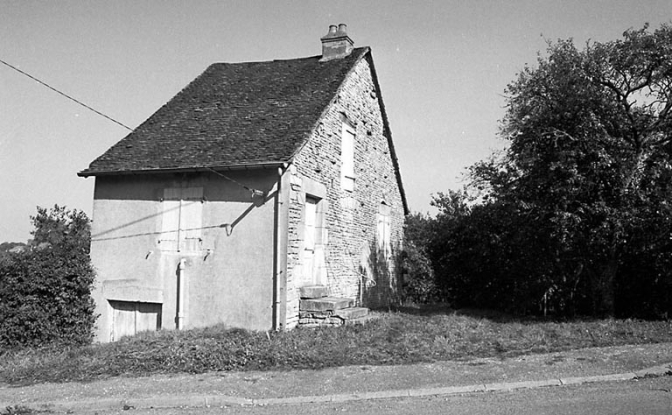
x=443, y=66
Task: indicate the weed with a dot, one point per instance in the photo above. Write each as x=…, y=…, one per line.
x=21, y=410
x=397, y=337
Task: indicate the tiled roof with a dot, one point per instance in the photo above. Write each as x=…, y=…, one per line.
x=232, y=115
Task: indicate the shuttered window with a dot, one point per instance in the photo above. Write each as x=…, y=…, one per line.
x=347, y=158
x=181, y=219
x=384, y=230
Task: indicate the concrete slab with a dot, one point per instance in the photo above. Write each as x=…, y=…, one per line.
x=325, y=304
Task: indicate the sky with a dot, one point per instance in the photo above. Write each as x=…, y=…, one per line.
x=443, y=67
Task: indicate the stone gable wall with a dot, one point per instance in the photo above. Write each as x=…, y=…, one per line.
x=352, y=266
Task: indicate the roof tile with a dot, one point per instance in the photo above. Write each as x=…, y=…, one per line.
x=231, y=115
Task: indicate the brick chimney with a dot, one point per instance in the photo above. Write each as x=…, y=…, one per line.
x=336, y=44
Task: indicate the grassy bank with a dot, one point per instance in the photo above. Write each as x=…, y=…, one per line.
x=400, y=337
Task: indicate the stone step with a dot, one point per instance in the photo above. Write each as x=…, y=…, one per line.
x=361, y=320
x=325, y=304
x=352, y=313
x=313, y=291
x=345, y=316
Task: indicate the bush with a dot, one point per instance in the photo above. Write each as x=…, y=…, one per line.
x=419, y=285
x=45, y=291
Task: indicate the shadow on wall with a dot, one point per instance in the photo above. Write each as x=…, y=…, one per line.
x=229, y=226
x=238, y=194
x=379, y=285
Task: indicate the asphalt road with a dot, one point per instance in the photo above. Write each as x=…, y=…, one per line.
x=608, y=380
x=644, y=396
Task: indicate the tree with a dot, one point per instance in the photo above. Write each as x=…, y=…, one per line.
x=61, y=227
x=488, y=254
x=45, y=291
x=589, y=161
x=7, y=247
x=418, y=280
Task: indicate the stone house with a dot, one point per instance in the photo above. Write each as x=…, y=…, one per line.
x=264, y=195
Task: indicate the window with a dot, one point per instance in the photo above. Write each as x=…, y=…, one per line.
x=347, y=158
x=310, y=220
x=384, y=227
x=182, y=210
x=311, y=228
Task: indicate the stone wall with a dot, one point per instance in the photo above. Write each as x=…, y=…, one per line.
x=351, y=264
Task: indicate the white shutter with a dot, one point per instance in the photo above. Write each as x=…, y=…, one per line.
x=190, y=219
x=192, y=212
x=182, y=219
x=384, y=230
x=347, y=159
x=311, y=214
x=170, y=219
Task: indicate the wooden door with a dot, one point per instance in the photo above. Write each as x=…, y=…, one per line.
x=130, y=318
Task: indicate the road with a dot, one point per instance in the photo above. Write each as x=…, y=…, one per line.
x=650, y=396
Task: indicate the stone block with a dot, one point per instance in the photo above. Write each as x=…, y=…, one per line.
x=352, y=313
x=325, y=304
x=321, y=322
x=313, y=291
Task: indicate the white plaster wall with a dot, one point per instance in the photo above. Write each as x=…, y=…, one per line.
x=229, y=279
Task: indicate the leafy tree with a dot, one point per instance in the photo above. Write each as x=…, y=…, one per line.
x=588, y=166
x=418, y=280
x=487, y=255
x=61, y=227
x=6, y=247
x=45, y=291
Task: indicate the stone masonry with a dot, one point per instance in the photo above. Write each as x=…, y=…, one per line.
x=354, y=267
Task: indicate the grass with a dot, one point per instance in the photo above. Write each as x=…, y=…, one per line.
x=21, y=410
x=403, y=336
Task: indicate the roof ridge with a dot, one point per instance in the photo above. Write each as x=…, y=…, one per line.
x=235, y=124
x=362, y=53
x=360, y=48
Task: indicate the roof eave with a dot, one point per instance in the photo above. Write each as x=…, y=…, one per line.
x=193, y=169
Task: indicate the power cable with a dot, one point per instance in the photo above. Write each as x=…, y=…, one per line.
x=66, y=95
x=254, y=192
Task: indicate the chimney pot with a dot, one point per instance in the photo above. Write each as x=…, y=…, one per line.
x=336, y=43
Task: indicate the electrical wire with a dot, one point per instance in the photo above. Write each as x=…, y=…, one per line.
x=255, y=192
x=66, y=95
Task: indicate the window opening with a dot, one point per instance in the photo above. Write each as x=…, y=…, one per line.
x=181, y=219
x=347, y=158
x=312, y=240
x=384, y=230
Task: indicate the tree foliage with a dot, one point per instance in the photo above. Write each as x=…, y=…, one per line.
x=61, y=227
x=418, y=279
x=575, y=215
x=45, y=290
